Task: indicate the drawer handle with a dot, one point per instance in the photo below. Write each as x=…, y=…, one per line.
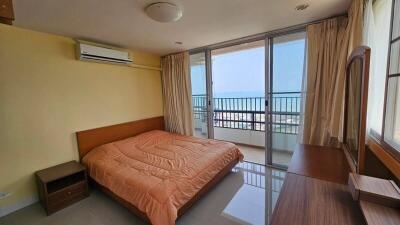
x=69, y=192
x=3, y=6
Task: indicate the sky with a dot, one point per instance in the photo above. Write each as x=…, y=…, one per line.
x=241, y=73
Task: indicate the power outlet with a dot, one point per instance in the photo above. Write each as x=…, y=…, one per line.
x=4, y=194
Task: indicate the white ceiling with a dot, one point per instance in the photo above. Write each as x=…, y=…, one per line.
x=124, y=23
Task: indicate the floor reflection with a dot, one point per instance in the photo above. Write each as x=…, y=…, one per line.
x=246, y=196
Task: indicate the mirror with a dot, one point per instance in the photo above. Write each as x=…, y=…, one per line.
x=356, y=96
x=354, y=106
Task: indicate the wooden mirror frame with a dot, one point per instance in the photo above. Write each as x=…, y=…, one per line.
x=363, y=53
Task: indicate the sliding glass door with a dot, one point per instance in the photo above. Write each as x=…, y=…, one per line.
x=287, y=59
x=249, y=93
x=238, y=86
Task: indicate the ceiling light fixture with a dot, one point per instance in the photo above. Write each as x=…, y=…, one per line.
x=164, y=12
x=302, y=7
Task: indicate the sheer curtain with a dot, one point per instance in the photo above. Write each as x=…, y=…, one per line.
x=376, y=36
x=177, y=93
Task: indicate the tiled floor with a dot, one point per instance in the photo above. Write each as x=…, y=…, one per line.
x=245, y=196
x=257, y=155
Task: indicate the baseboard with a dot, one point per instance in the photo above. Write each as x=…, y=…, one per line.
x=5, y=210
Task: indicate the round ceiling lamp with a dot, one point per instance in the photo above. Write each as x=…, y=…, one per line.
x=302, y=7
x=164, y=12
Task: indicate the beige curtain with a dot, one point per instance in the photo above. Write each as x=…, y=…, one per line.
x=329, y=45
x=177, y=93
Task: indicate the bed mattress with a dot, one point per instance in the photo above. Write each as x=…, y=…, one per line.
x=157, y=171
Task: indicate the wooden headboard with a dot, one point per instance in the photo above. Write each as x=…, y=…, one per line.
x=89, y=139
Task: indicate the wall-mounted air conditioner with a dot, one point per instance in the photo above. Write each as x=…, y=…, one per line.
x=92, y=52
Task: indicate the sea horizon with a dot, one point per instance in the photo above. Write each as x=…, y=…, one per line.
x=248, y=94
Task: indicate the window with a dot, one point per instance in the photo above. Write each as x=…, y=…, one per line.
x=377, y=17
x=391, y=129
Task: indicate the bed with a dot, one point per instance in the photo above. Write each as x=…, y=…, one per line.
x=156, y=174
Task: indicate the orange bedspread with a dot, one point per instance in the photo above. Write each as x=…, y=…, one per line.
x=157, y=171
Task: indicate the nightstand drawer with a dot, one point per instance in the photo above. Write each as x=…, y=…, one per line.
x=67, y=193
x=6, y=9
x=66, y=202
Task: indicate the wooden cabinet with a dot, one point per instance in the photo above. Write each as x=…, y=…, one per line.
x=62, y=185
x=6, y=12
x=379, y=199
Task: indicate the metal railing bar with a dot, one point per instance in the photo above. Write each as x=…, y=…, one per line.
x=247, y=113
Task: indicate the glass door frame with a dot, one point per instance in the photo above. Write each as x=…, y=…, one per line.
x=210, y=101
x=209, y=95
x=268, y=101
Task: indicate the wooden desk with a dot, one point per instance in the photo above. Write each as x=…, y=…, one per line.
x=319, y=162
x=309, y=201
x=315, y=191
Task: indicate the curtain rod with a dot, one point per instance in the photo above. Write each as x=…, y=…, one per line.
x=256, y=37
x=144, y=67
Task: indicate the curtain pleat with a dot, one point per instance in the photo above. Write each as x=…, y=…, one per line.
x=177, y=93
x=329, y=45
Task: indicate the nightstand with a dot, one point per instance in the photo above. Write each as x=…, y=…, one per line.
x=62, y=185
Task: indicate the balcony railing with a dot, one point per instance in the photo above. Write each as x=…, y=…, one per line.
x=248, y=113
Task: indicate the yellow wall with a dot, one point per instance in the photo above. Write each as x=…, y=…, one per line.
x=46, y=95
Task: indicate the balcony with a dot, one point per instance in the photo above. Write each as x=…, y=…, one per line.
x=242, y=121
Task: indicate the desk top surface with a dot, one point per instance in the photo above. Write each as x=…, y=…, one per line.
x=309, y=201
x=319, y=162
